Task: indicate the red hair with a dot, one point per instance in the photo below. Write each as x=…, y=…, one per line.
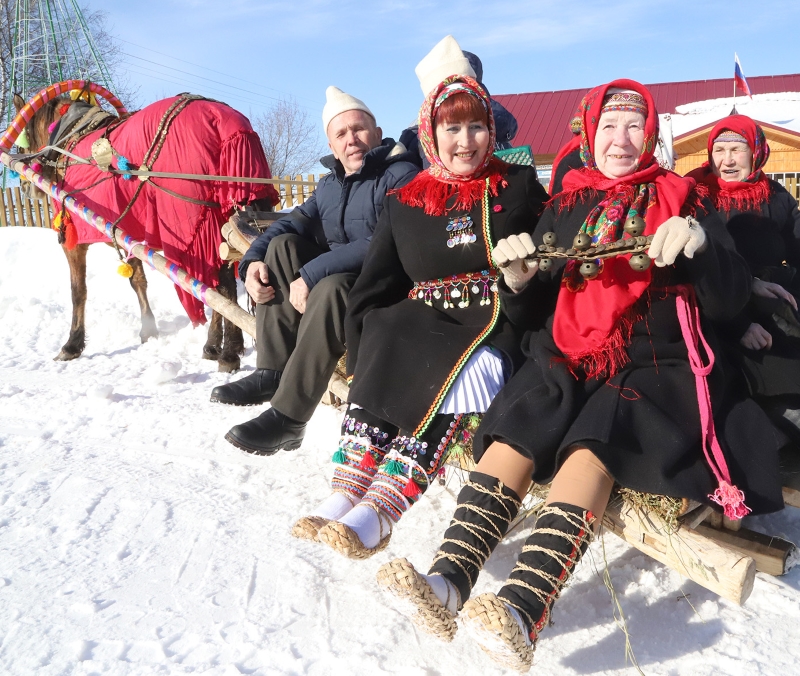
x=461, y=107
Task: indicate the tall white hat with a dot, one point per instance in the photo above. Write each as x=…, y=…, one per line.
x=445, y=59
x=338, y=102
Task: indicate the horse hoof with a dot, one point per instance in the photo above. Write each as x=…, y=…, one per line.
x=211, y=353
x=147, y=336
x=228, y=365
x=66, y=355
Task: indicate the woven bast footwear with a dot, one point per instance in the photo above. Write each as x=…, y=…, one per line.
x=485, y=509
x=507, y=626
x=307, y=528
x=489, y=621
x=545, y=565
x=401, y=580
x=343, y=539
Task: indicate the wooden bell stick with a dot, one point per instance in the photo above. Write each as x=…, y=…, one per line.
x=178, y=275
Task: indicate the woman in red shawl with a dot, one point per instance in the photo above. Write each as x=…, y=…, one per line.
x=764, y=221
x=618, y=387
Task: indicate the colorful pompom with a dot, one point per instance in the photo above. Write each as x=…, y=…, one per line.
x=339, y=457
x=394, y=467
x=411, y=490
x=125, y=270
x=368, y=461
x=124, y=165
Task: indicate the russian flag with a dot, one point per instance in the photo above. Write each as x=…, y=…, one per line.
x=738, y=77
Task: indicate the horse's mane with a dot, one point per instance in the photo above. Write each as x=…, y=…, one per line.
x=42, y=119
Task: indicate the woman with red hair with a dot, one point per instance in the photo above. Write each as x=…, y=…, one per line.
x=428, y=344
x=764, y=221
x=620, y=386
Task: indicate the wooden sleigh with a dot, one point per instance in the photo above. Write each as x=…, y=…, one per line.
x=697, y=542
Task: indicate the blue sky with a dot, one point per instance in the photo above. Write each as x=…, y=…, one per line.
x=271, y=50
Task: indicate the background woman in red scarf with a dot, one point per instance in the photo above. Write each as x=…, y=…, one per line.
x=615, y=387
x=427, y=342
x=764, y=221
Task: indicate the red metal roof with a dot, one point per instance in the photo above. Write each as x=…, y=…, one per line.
x=543, y=117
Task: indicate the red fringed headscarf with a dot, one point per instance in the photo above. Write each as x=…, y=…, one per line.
x=433, y=188
x=594, y=319
x=741, y=195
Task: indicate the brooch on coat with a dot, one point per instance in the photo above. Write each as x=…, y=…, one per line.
x=460, y=229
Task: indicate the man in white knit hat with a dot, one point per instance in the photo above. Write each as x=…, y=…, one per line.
x=300, y=272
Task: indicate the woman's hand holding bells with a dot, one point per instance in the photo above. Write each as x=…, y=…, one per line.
x=513, y=256
x=676, y=235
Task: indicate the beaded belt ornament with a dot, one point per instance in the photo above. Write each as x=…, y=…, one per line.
x=460, y=229
x=460, y=287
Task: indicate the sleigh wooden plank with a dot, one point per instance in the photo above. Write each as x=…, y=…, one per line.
x=243, y=227
x=720, y=569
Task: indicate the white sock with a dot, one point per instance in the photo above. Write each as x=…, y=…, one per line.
x=445, y=591
x=366, y=523
x=335, y=506
x=518, y=619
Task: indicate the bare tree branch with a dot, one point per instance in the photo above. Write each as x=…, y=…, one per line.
x=290, y=138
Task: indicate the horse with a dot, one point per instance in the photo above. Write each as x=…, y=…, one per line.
x=186, y=134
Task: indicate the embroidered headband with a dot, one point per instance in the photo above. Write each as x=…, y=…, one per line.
x=626, y=100
x=455, y=88
x=728, y=136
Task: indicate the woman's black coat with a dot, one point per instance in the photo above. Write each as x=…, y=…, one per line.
x=768, y=238
x=404, y=354
x=643, y=423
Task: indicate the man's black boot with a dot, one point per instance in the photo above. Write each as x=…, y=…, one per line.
x=257, y=388
x=268, y=433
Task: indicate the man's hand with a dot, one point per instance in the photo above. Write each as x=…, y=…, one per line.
x=257, y=283
x=513, y=256
x=674, y=236
x=298, y=294
x=772, y=290
x=756, y=338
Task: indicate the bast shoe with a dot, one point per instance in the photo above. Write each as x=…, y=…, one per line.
x=416, y=598
x=268, y=433
x=256, y=388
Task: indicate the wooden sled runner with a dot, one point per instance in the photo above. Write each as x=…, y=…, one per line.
x=700, y=544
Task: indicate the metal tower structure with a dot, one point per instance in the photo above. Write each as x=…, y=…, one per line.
x=51, y=41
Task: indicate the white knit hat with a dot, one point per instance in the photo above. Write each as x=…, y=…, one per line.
x=445, y=59
x=338, y=102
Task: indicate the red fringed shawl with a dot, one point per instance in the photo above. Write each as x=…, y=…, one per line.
x=741, y=195
x=594, y=319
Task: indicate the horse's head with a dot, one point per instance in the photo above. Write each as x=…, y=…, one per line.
x=37, y=133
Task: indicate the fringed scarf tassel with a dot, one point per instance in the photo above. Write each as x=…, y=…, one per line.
x=743, y=199
x=434, y=195
x=606, y=360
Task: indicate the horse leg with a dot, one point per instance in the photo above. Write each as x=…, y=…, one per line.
x=139, y=285
x=213, y=347
x=76, y=258
x=233, y=340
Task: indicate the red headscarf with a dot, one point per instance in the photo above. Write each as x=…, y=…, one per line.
x=435, y=186
x=594, y=319
x=741, y=195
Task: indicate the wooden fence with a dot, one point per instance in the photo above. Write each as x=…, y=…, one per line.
x=16, y=209
x=790, y=181
x=295, y=190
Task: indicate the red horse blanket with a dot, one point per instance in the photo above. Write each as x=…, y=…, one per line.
x=205, y=138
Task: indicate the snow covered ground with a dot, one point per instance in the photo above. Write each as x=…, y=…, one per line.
x=135, y=540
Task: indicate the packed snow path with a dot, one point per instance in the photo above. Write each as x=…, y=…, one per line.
x=135, y=540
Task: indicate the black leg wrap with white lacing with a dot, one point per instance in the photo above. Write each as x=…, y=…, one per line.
x=559, y=539
x=485, y=509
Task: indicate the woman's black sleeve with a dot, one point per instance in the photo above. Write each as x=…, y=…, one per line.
x=382, y=282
